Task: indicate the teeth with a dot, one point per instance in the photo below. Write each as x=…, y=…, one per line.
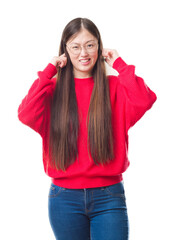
x=85, y=60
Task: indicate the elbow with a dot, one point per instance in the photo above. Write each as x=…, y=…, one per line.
x=152, y=100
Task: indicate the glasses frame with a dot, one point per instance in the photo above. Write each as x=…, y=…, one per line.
x=87, y=50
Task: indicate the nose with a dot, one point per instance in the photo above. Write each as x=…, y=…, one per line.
x=83, y=51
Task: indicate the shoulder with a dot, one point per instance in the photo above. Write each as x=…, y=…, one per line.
x=112, y=79
x=113, y=83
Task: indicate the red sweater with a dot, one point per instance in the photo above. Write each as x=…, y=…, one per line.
x=130, y=98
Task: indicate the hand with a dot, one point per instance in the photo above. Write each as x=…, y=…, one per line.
x=60, y=61
x=110, y=56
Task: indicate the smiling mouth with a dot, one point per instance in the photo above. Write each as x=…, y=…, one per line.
x=85, y=61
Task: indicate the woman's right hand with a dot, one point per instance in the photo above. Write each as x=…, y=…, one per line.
x=60, y=61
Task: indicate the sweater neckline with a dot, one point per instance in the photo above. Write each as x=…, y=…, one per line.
x=83, y=80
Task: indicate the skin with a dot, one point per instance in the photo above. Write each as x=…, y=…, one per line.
x=84, y=62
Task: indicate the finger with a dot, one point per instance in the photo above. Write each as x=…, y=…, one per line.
x=104, y=52
x=108, y=56
x=63, y=55
x=110, y=53
x=63, y=63
x=107, y=60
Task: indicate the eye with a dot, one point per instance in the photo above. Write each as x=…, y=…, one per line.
x=90, y=45
x=75, y=47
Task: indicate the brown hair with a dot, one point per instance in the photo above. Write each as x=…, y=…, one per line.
x=64, y=124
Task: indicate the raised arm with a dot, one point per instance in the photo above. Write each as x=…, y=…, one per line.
x=31, y=110
x=138, y=96
x=33, y=107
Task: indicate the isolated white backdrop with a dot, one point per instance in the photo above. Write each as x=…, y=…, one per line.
x=142, y=33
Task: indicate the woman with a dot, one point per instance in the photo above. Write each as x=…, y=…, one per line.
x=83, y=118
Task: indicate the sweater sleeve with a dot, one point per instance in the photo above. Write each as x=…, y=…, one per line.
x=138, y=96
x=32, y=108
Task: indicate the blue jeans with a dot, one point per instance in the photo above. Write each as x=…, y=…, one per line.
x=88, y=214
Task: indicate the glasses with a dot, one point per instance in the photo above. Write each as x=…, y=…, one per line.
x=90, y=47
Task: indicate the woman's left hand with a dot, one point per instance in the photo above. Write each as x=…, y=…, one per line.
x=110, y=56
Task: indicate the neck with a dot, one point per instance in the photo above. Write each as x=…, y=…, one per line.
x=82, y=74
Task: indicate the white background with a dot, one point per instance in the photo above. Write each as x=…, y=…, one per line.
x=142, y=33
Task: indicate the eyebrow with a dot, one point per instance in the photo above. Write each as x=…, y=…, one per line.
x=84, y=43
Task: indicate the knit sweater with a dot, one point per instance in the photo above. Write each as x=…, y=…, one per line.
x=130, y=98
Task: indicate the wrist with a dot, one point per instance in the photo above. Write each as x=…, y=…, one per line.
x=53, y=63
x=119, y=64
x=50, y=70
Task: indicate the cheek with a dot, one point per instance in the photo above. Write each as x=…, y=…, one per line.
x=95, y=57
x=73, y=59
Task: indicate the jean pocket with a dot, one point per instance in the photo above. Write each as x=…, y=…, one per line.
x=116, y=190
x=54, y=191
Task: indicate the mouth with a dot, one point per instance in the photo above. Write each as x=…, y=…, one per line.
x=85, y=61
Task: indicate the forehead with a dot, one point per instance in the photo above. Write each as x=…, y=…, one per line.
x=81, y=37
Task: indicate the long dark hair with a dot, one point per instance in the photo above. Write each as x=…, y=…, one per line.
x=64, y=123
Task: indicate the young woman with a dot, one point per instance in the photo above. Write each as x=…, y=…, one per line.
x=83, y=117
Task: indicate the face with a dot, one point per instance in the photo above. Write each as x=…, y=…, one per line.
x=83, y=52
